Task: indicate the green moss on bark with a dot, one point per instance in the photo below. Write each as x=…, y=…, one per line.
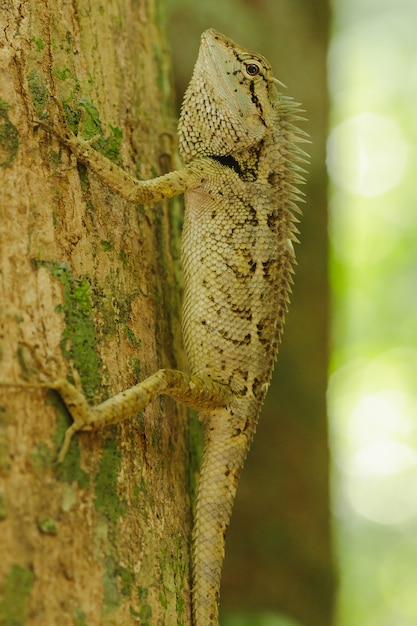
x=14, y=603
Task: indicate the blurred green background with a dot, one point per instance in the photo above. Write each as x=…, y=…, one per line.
x=298, y=555
x=372, y=395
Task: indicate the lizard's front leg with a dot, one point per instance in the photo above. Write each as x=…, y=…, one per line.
x=119, y=181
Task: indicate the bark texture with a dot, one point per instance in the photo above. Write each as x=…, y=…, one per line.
x=88, y=287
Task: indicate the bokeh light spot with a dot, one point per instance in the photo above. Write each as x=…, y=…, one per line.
x=367, y=154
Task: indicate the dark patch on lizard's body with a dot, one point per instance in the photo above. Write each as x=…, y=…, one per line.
x=245, y=313
x=255, y=98
x=229, y=161
x=249, y=162
x=236, y=342
x=253, y=219
x=258, y=388
x=270, y=269
x=274, y=219
x=265, y=329
x=275, y=178
x=245, y=166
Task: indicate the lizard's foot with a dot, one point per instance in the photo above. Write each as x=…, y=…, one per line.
x=60, y=128
x=40, y=371
x=36, y=368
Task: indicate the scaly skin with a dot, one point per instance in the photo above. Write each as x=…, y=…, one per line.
x=238, y=141
x=237, y=260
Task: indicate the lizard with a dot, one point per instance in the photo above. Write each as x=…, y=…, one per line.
x=238, y=140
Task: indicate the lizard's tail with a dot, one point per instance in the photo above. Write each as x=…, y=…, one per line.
x=226, y=447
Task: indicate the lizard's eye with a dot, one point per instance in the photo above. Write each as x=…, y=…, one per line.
x=252, y=69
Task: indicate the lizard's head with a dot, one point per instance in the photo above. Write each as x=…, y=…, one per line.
x=228, y=105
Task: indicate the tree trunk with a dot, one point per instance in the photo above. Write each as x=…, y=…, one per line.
x=88, y=288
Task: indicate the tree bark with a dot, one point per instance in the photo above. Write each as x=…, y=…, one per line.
x=88, y=287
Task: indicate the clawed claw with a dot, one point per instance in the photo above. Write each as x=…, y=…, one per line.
x=46, y=368
x=63, y=133
x=49, y=375
x=70, y=432
x=62, y=121
x=61, y=129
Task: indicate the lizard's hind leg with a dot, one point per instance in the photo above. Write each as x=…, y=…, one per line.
x=194, y=391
